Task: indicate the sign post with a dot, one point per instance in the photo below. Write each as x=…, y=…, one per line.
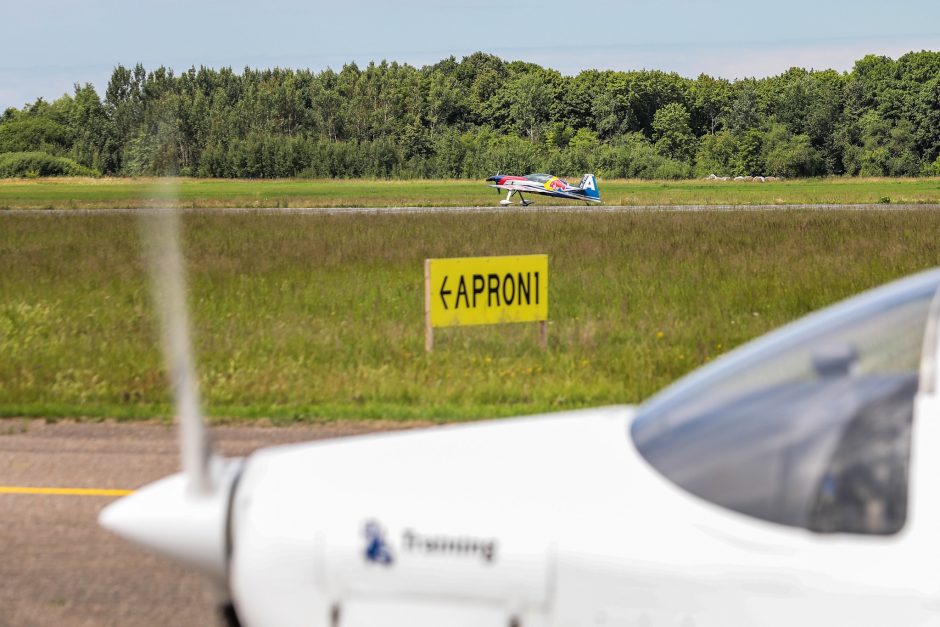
x=485, y=290
x=428, y=328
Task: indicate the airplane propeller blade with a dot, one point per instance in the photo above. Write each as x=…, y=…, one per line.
x=160, y=231
x=183, y=516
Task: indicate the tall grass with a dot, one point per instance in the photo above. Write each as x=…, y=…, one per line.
x=207, y=193
x=320, y=317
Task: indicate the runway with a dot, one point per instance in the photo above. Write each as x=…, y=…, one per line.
x=60, y=568
x=545, y=209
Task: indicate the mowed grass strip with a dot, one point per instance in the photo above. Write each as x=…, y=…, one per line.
x=109, y=193
x=320, y=317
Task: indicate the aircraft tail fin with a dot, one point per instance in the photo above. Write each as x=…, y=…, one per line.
x=589, y=185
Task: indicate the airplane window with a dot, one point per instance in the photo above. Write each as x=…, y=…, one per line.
x=538, y=178
x=807, y=427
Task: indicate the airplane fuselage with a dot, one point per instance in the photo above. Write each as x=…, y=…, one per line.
x=542, y=521
x=546, y=185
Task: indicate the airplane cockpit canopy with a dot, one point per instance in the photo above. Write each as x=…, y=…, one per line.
x=539, y=178
x=808, y=426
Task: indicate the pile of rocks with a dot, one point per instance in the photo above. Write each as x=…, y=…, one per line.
x=759, y=179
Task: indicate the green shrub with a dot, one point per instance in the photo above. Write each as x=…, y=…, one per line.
x=932, y=169
x=716, y=154
x=27, y=133
x=33, y=164
x=634, y=157
x=791, y=156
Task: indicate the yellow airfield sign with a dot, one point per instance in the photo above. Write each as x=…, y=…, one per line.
x=488, y=290
x=485, y=290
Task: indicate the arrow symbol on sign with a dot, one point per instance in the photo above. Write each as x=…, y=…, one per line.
x=444, y=292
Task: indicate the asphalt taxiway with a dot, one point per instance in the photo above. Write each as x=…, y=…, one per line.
x=58, y=566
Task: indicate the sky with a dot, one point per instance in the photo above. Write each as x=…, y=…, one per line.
x=48, y=45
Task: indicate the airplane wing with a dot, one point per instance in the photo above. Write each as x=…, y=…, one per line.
x=529, y=189
x=568, y=194
x=556, y=193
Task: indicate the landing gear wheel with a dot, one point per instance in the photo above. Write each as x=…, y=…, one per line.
x=228, y=616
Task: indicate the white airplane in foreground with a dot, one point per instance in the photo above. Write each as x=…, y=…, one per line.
x=792, y=482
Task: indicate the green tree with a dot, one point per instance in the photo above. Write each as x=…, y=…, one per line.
x=34, y=133
x=558, y=135
x=717, y=154
x=743, y=112
x=672, y=133
x=90, y=127
x=462, y=118
x=529, y=105
x=612, y=109
x=789, y=155
x=710, y=99
x=749, y=160
x=885, y=149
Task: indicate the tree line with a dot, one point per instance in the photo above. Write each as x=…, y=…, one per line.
x=473, y=117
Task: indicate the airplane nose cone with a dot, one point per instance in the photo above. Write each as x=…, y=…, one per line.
x=168, y=518
x=494, y=178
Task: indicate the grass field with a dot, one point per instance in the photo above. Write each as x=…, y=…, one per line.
x=195, y=193
x=320, y=317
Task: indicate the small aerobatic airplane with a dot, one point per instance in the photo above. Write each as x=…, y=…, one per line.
x=547, y=185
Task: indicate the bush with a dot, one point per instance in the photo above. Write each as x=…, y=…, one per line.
x=932, y=169
x=716, y=154
x=789, y=155
x=33, y=134
x=32, y=164
x=634, y=157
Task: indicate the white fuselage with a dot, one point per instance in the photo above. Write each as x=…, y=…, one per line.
x=553, y=520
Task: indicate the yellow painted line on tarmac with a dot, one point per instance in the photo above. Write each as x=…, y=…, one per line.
x=11, y=489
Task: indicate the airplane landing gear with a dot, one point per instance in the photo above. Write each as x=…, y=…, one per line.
x=522, y=201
